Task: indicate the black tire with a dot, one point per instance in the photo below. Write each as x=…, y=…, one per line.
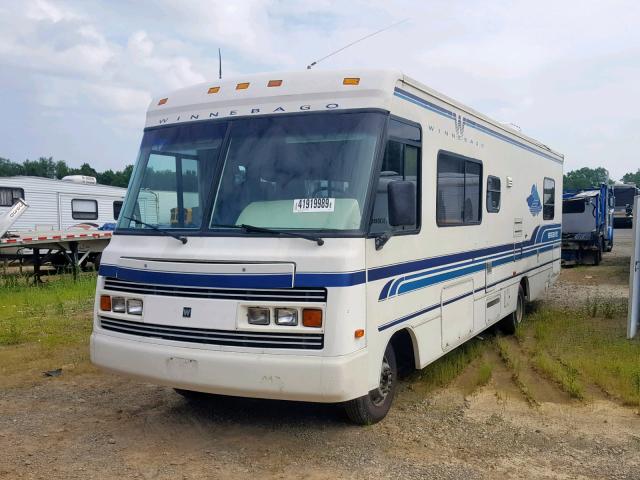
x=597, y=256
x=510, y=323
x=374, y=406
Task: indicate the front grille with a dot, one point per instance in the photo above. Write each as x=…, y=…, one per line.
x=266, y=294
x=304, y=341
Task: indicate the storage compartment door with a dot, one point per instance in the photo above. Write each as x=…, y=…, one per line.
x=456, y=313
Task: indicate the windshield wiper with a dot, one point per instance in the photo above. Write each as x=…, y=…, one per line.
x=253, y=228
x=159, y=230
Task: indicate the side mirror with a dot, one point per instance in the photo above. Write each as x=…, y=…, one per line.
x=402, y=203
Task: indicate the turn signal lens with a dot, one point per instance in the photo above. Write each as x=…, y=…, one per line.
x=312, y=317
x=242, y=86
x=351, y=81
x=105, y=303
x=214, y=90
x=163, y=101
x=359, y=333
x=274, y=83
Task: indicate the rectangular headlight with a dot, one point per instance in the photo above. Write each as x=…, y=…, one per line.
x=258, y=316
x=134, y=306
x=117, y=304
x=286, y=316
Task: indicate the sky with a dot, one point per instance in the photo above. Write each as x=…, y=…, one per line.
x=77, y=76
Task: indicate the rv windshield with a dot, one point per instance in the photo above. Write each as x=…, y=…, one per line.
x=297, y=172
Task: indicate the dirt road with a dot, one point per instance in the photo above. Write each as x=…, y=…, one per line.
x=100, y=426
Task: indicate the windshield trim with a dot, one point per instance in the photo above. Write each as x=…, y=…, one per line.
x=206, y=231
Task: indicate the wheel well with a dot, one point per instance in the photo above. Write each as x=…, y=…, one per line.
x=402, y=342
x=525, y=286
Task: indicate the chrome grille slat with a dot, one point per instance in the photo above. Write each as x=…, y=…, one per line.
x=303, y=295
x=311, y=341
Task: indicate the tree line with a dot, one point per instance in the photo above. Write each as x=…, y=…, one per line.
x=47, y=167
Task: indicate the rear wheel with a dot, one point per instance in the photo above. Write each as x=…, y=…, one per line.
x=374, y=406
x=509, y=324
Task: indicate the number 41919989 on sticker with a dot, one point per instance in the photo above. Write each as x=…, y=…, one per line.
x=305, y=205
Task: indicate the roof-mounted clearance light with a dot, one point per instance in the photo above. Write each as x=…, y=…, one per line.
x=242, y=86
x=213, y=90
x=274, y=83
x=351, y=81
x=163, y=101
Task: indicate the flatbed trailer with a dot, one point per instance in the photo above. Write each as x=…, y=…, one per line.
x=74, y=246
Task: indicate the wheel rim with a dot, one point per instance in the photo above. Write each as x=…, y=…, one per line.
x=519, y=309
x=380, y=394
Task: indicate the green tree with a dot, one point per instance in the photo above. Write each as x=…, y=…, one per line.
x=632, y=177
x=9, y=168
x=585, y=177
x=43, y=167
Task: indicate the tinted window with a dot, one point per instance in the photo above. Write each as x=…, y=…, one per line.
x=117, y=206
x=458, y=196
x=549, y=199
x=493, y=194
x=82, y=209
x=573, y=206
x=9, y=196
x=400, y=162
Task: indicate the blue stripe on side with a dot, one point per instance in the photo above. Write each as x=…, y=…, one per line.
x=196, y=279
x=330, y=279
x=403, y=94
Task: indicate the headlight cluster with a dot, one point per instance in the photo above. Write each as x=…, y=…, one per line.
x=132, y=306
x=286, y=317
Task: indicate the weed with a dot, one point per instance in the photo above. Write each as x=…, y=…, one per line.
x=484, y=374
x=444, y=370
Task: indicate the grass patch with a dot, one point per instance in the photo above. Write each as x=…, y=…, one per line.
x=45, y=326
x=586, y=346
x=512, y=362
x=485, y=371
x=446, y=369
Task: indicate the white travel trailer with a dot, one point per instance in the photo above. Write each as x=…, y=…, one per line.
x=60, y=204
x=328, y=228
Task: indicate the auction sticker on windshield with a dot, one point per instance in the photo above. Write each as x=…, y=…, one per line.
x=306, y=205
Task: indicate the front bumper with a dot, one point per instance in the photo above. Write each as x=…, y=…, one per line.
x=258, y=375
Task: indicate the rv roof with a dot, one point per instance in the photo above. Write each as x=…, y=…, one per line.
x=312, y=89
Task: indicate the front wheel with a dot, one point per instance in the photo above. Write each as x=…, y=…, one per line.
x=374, y=406
x=510, y=324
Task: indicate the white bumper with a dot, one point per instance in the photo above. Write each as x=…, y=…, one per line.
x=259, y=375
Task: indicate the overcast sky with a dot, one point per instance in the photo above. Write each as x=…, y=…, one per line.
x=77, y=76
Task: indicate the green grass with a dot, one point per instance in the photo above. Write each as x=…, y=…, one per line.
x=583, y=347
x=446, y=369
x=513, y=362
x=483, y=376
x=45, y=325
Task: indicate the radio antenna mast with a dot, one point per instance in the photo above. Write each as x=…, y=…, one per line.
x=312, y=64
x=219, y=64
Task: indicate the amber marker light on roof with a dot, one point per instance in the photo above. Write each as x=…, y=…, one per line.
x=242, y=86
x=213, y=90
x=274, y=83
x=163, y=101
x=351, y=81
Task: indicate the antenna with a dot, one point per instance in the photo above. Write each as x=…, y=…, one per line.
x=219, y=64
x=312, y=64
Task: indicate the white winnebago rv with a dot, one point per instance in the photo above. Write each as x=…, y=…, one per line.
x=303, y=235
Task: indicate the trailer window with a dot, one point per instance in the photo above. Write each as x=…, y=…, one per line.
x=549, y=199
x=9, y=196
x=493, y=194
x=573, y=206
x=117, y=207
x=82, y=209
x=458, y=196
x=400, y=162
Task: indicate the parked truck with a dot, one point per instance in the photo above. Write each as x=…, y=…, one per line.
x=587, y=225
x=623, y=211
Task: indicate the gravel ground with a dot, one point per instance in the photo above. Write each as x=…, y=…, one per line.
x=101, y=426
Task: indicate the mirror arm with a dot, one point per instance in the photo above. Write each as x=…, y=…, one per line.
x=382, y=239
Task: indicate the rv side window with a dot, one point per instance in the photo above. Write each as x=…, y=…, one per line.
x=117, y=206
x=400, y=162
x=459, y=191
x=493, y=194
x=9, y=196
x=82, y=209
x=549, y=199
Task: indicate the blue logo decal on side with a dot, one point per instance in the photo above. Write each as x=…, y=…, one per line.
x=533, y=200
